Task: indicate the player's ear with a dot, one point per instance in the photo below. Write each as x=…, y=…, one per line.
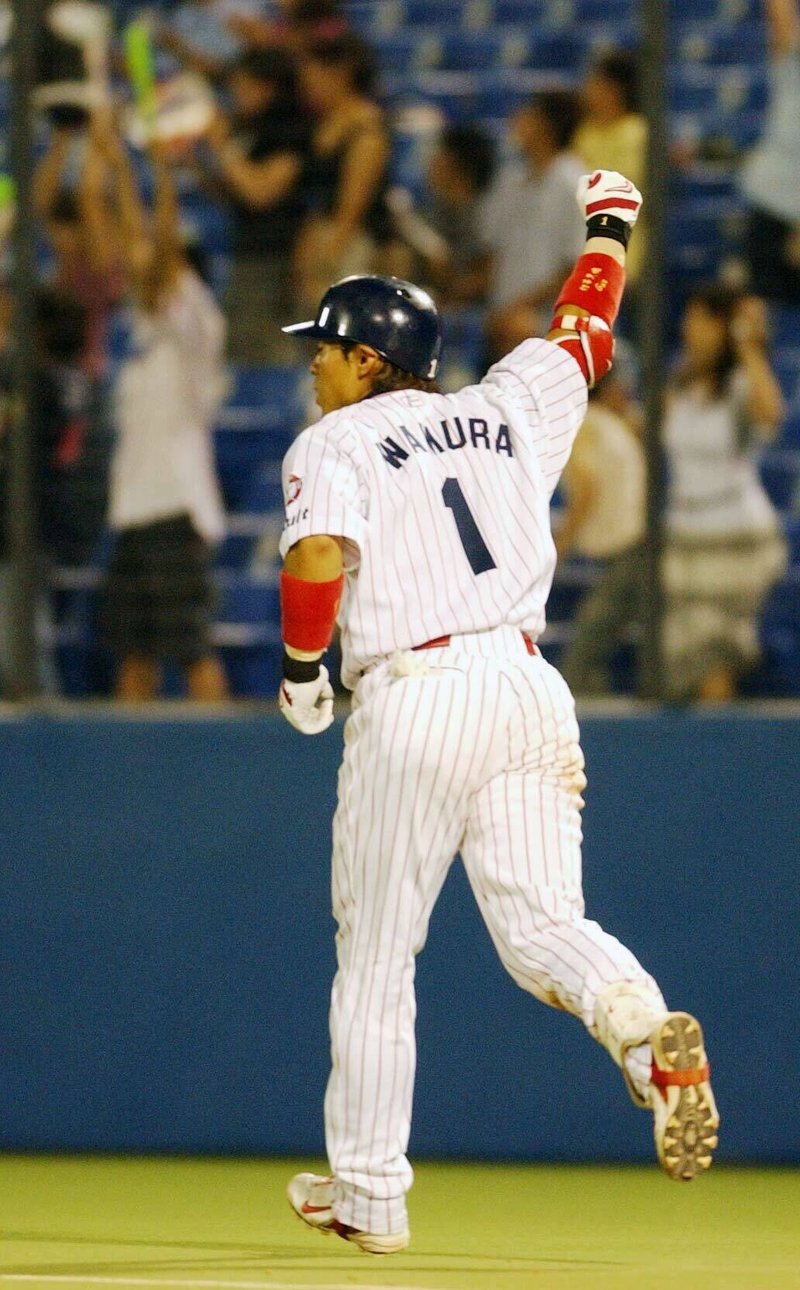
x=368, y=362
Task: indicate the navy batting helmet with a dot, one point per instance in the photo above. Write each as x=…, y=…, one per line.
x=395, y=318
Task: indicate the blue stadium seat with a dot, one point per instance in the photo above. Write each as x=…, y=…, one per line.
x=375, y=18
x=433, y=13
x=780, y=475
x=506, y=89
x=790, y=435
x=258, y=506
x=792, y=529
x=701, y=231
x=456, y=95
x=253, y=671
x=208, y=221
x=463, y=354
x=409, y=51
x=564, y=13
x=702, y=180
x=786, y=361
x=695, y=87
x=730, y=11
x=719, y=133
x=247, y=632
x=411, y=150
x=532, y=13
x=785, y=325
x=720, y=43
x=476, y=51
x=256, y=425
x=779, y=674
x=250, y=600
x=598, y=37
x=480, y=60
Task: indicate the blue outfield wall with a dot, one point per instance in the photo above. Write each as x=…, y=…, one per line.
x=166, y=946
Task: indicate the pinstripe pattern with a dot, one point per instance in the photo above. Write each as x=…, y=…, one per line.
x=482, y=755
x=472, y=747
x=410, y=578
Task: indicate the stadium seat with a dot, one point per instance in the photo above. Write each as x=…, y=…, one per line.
x=729, y=11
x=786, y=361
x=409, y=51
x=697, y=87
x=535, y=13
x=779, y=672
x=256, y=425
x=719, y=135
x=247, y=633
x=375, y=18
x=247, y=599
x=702, y=180
x=480, y=60
x=701, y=232
x=721, y=44
x=780, y=475
x=506, y=89
x=785, y=325
x=474, y=51
x=458, y=96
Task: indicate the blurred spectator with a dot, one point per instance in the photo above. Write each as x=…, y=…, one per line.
x=76, y=220
x=445, y=234
x=69, y=484
x=74, y=459
x=723, y=543
x=532, y=227
x=206, y=36
x=604, y=485
x=72, y=63
x=166, y=508
x=612, y=134
x=87, y=270
x=349, y=228
x=258, y=157
x=770, y=178
x=298, y=24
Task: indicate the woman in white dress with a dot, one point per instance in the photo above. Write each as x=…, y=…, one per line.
x=166, y=507
x=724, y=547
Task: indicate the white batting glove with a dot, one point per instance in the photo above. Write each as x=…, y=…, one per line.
x=308, y=705
x=607, y=192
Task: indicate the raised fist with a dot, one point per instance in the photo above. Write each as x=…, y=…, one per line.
x=607, y=192
x=308, y=705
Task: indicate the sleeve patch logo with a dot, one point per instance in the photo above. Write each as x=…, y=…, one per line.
x=293, y=489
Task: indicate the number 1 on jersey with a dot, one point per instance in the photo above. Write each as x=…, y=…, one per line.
x=475, y=549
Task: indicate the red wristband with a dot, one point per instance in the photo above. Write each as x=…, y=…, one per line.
x=596, y=284
x=308, y=611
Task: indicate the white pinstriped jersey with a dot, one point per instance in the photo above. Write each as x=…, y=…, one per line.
x=443, y=502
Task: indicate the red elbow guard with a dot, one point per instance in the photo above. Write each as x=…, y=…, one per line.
x=308, y=611
x=596, y=284
x=590, y=341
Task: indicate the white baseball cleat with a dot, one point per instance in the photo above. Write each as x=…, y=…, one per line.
x=311, y=1198
x=686, y=1117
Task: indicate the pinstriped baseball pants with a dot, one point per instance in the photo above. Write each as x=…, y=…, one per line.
x=480, y=755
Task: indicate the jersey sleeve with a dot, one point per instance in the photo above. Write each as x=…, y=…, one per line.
x=549, y=389
x=322, y=489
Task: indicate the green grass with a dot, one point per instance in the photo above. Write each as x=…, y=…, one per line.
x=166, y=1224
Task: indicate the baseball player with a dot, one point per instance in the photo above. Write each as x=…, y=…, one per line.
x=420, y=522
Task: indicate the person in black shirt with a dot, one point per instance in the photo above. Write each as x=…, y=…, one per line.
x=258, y=155
x=348, y=227
x=70, y=461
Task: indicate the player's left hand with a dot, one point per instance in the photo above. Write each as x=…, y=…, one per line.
x=308, y=705
x=607, y=192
